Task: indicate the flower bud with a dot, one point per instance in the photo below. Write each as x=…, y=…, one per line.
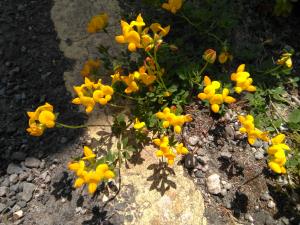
x=210, y=56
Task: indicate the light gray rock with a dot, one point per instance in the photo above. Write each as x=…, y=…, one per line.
x=13, y=169
x=258, y=143
x=193, y=140
x=13, y=178
x=32, y=162
x=27, y=193
x=249, y=217
x=265, y=197
x=213, y=184
x=22, y=204
x=4, y=191
x=271, y=204
x=259, y=155
x=229, y=132
x=226, y=155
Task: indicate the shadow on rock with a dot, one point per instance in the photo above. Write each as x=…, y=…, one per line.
x=99, y=217
x=239, y=204
x=160, y=181
x=286, y=201
x=231, y=168
x=62, y=188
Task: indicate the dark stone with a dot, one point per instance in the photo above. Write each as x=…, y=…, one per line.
x=190, y=161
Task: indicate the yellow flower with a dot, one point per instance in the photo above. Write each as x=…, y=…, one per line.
x=146, y=78
x=243, y=80
x=42, y=118
x=170, y=119
x=224, y=56
x=97, y=23
x=131, y=36
x=285, y=60
x=116, y=77
x=131, y=84
x=88, y=153
x=249, y=128
x=91, y=93
x=180, y=149
x=172, y=5
x=138, y=125
x=210, y=56
x=215, y=100
x=92, y=174
x=90, y=66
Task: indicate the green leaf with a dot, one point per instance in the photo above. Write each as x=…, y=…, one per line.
x=125, y=142
x=294, y=116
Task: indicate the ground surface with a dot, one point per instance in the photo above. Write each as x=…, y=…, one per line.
x=34, y=65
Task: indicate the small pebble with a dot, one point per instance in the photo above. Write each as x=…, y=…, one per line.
x=271, y=204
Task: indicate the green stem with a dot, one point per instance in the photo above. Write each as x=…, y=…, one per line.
x=205, y=32
x=71, y=126
x=81, y=126
x=272, y=70
x=203, y=68
x=117, y=106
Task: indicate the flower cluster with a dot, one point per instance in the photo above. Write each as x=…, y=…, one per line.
x=277, y=154
x=135, y=36
x=146, y=75
x=166, y=151
x=90, y=93
x=214, y=99
x=97, y=23
x=89, y=67
x=243, y=80
x=138, y=124
x=285, y=60
x=173, y=5
x=88, y=172
x=249, y=128
x=170, y=119
x=42, y=118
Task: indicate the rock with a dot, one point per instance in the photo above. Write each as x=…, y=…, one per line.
x=43, y=164
x=190, y=161
x=22, y=204
x=19, y=156
x=18, y=215
x=193, y=140
x=63, y=140
x=249, y=217
x=28, y=189
x=14, y=188
x=203, y=159
x=199, y=174
x=265, y=197
x=271, y=204
x=259, y=155
x=226, y=155
x=48, y=179
x=13, y=178
x=32, y=162
x=223, y=192
x=15, y=208
x=23, y=176
x=4, y=191
x=258, y=143
x=13, y=169
x=2, y=207
x=213, y=184
x=229, y=132
x=5, y=183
